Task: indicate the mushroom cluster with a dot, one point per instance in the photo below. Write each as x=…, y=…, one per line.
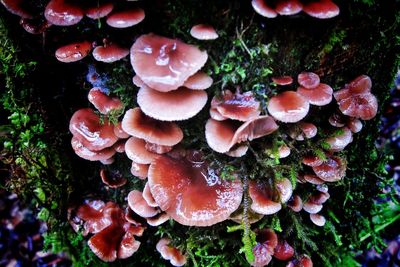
x=235, y=119
x=113, y=236
x=321, y=9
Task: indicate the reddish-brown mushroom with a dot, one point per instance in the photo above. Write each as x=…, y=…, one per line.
x=308, y=80
x=355, y=125
x=295, y=203
x=282, y=80
x=308, y=130
x=191, y=192
x=139, y=205
x=73, y=52
x=288, y=106
x=165, y=64
x=267, y=241
x=282, y=151
x=17, y=7
x=100, y=10
x=263, y=197
x=34, y=26
x=338, y=141
x=283, y=251
x=332, y=170
x=113, y=179
x=148, y=196
x=321, y=95
x=288, y=7
x=337, y=120
x=63, y=13
x=198, y=81
x=176, y=105
x=109, y=53
x=170, y=253
x=313, y=179
x=302, y=261
x=203, y=32
x=312, y=160
x=322, y=9
x=140, y=170
x=102, y=102
x=119, y=132
x=88, y=129
x=135, y=149
x=88, y=154
x=285, y=189
x=139, y=125
x=125, y=18
x=318, y=219
x=263, y=9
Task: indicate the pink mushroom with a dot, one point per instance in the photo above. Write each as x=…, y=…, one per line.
x=125, y=18
x=73, y=52
x=288, y=7
x=104, y=103
x=322, y=9
x=203, y=32
x=110, y=53
x=63, y=13
x=263, y=9
x=288, y=106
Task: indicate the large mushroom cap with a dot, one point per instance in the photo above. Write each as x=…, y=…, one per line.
x=73, y=52
x=203, y=32
x=322, y=9
x=363, y=106
x=321, y=95
x=288, y=106
x=110, y=53
x=62, y=13
x=102, y=102
x=137, y=124
x=177, y=105
x=288, y=7
x=190, y=192
x=164, y=64
x=361, y=84
x=86, y=127
x=126, y=18
x=17, y=7
x=263, y=9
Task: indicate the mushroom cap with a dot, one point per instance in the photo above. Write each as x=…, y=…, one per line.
x=62, y=13
x=355, y=125
x=148, y=196
x=108, y=161
x=322, y=9
x=119, y=132
x=337, y=120
x=313, y=179
x=321, y=95
x=308, y=80
x=139, y=205
x=312, y=161
x=172, y=254
x=363, y=106
x=164, y=133
x=102, y=102
x=140, y=170
x=17, y=7
x=263, y=9
x=319, y=197
x=113, y=179
x=137, y=81
x=295, y=203
x=190, y=192
x=128, y=244
x=73, y=52
x=158, y=219
x=34, y=26
x=268, y=237
x=203, y=32
x=262, y=196
x=312, y=207
x=223, y=135
x=285, y=189
x=86, y=127
x=238, y=151
x=159, y=149
x=282, y=152
x=165, y=64
x=125, y=18
x=332, y=170
x=136, y=151
x=309, y=129
x=361, y=84
x=288, y=107
x=282, y=80
x=100, y=10
x=109, y=53
x=338, y=142
x=237, y=106
x=283, y=251
x=88, y=154
x=176, y=105
x=318, y=219
x=288, y=7
x=199, y=81
x=91, y=213
x=262, y=255
x=119, y=146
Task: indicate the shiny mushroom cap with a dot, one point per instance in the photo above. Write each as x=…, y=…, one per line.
x=88, y=154
x=191, y=192
x=17, y=7
x=283, y=251
x=165, y=64
x=282, y=80
x=73, y=52
x=308, y=80
x=288, y=107
x=170, y=253
x=104, y=103
x=87, y=128
x=125, y=18
x=113, y=179
x=176, y=105
x=137, y=124
x=318, y=219
x=139, y=205
x=288, y=7
x=198, y=81
x=322, y=9
x=321, y=95
x=99, y=10
x=337, y=142
x=62, y=13
x=109, y=53
x=135, y=149
x=203, y=32
x=332, y=170
x=263, y=197
x=263, y=9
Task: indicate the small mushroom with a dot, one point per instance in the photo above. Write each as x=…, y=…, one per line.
x=321, y=95
x=295, y=203
x=88, y=154
x=263, y=9
x=119, y=132
x=312, y=207
x=102, y=102
x=140, y=170
x=322, y=9
x=285, y=189
x=203, y=32
x=332, y=170
x=355, y=125
x=63, y=13
x=136, y=151
x=308, y=80
x=113, y=179
x=99, y=10
x=288, y=107
x=302, y=261
x=73, y=52
x=263, y=197
x=125, y=18
x=337, y=142
x=198, y=81
x=337, y=120
x=282, y=80
x=170, y=253
x=109, y=53
x=318, y=219
x=283, y=251
x=313, y=179
x=139, y=205
x=312, y=160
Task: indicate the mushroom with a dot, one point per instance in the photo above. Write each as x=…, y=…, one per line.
x=104, y=103
x=17, y=7
x=263, y=197
x=313, y=179
x=73, y=52
x=148, y=196
x=140, y=170
x=288, y=106
x=223, y=135
x=337, y=120
x=337, y=142
x=62, y=13
x=263, y=9
x=355, y=125
x=285, y=189
x=108, y=161
x=267, y=241
x=90, y=216
x=99, y=10
x=302, y=261
x=190, y=192
x=139, y=205
x=282, y=80
x=158, y=149
x=283, y=151
x=85, y=153
x=109, y=53
x=283, y=251
x=312, y=161
x=318, y=219
x=139, y=125
x=332, y=170
x=295, y=203
x=176, y=105
x=203, y=32
x=198, y=81
x=119, y=146
x=34, y=26
x=322, y=9
x=119, y=132
x=321, y=95
x=88, y=129
x=113, y=179
x=308, y=80
x=165, y=64
x=170, y=253
x=135, y=149
x=125, y=18
x=288, y=7
x=308, y=130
